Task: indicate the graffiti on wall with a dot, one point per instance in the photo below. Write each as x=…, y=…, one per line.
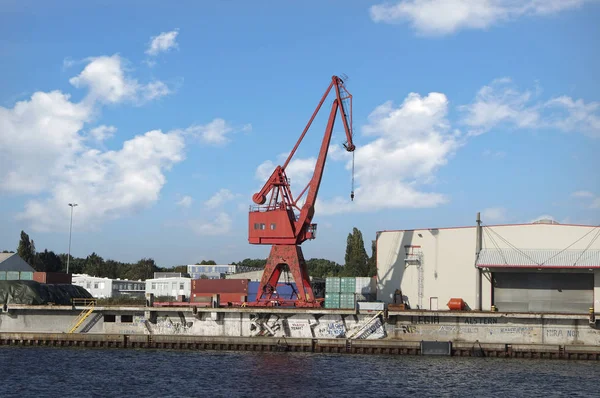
x=316, y=326
x=168, y=325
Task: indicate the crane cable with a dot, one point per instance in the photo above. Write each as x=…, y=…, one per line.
x=352, y=192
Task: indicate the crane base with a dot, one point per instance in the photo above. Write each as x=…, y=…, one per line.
x=290, y=255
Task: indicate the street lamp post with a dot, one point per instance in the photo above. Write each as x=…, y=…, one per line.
x=72, y=205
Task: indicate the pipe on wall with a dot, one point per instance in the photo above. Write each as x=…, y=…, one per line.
x=478, y=244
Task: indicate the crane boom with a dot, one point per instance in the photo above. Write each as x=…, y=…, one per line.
x=281, y=222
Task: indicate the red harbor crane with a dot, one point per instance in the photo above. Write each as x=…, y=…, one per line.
x=280, y=220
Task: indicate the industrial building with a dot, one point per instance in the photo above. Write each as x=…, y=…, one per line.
x=539, y=267
x=197, y=271
x=13, y=267
x=173, y=286
x=106, y=287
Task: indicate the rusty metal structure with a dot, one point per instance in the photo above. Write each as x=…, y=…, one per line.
x=285, y=222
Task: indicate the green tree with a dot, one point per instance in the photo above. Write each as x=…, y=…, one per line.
x=48, y=261
x=356, y=256
x=255, y=263
x=372, y=269
x=26, y=249
x=143, y=269
x=76, y=264
x=94, y=265
x=205, y=262
x=322, y=268
x=110, y=269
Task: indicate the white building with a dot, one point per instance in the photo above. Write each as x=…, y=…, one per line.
x=539, y=267
x=106, y=287
x=172, y=287
x=215, y=271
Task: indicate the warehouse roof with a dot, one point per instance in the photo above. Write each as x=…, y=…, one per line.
x=538, y=258
x=12, y=262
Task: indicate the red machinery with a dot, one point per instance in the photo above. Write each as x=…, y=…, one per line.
x=277, y=223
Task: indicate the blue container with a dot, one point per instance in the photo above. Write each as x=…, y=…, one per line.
x=284, y=290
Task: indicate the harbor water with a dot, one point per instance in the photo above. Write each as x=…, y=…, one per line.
x=82, y=372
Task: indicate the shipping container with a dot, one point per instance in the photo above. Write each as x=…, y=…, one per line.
x=332, y=285
x=59, y=278
x=224, y=298
x=332, y=300
x=12, y=275
x=347, y=285
x=2, y=275
x=220, y=286
x=365, y=285
x=284, y=290
x=347, y=300
x=26, y=275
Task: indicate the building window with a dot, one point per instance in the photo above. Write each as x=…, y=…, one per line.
x=181, y=286
x=109, y=318
x=153, y=286
x=101, y=285
x=272, y=226
x=95, y=285
x=89, y=285
x=126, y=318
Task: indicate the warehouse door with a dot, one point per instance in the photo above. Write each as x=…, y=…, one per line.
x=543, y=292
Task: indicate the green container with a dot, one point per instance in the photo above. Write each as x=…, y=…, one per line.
x=2, y=275
x=347, y=285
x=12, y=275
x=26, y=275
x=347, y=300
x=332, y=285
x=332, y=300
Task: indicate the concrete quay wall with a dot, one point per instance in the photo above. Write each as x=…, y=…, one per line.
x=339, y=346
x=470, y=328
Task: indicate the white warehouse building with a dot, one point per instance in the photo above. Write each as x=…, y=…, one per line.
x=171, y=287
x=106, y=287
x=538, y=267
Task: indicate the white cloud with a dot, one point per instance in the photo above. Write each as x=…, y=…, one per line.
x=163, y=42
x=155, y=89
x=441, y=17
x=107, y=82
x=574, y=115
x=502, y=104
x=185, y=201
x=43, y=151
x=39, y=139
x=410, y=143
x=220, y=225
x=110, y=184
x=222, y=196
x=589, y=199
x=214, y=133
x=582, y=194
x=494, y=154
x=493, y=214
x=102, y=132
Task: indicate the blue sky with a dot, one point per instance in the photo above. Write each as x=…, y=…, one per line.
x=161, y=121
